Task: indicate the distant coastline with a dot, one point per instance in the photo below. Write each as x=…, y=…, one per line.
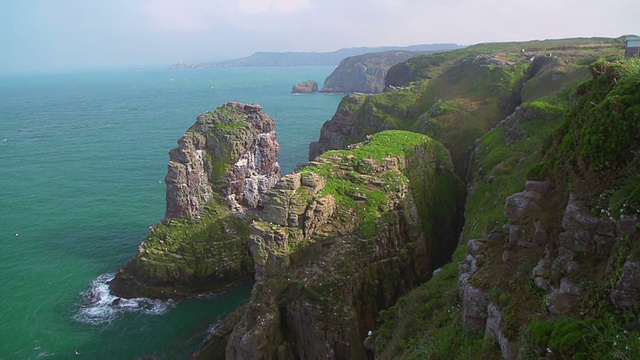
x=332, y=58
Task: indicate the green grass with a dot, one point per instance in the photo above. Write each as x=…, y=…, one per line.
x=426, y=323
x=565, y=337
x=344, y=180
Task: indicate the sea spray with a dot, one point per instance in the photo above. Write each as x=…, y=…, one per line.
x=99, y=306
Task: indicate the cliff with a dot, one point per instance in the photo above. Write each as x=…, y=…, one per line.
x=222, y=166
x=352, y=253
x=472, y=94
x=339, y=241
x=364, y=73
x=547, y=262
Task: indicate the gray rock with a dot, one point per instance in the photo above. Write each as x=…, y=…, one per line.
x=495, y=329
x=474, y=314
x=521, y=205
x=626, y=295
x=563, y=299
x=305, y=87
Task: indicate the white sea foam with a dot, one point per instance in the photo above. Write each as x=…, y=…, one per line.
x=99, y=306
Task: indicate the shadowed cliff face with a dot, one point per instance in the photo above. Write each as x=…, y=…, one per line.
x=341, y=240
x=222, y=166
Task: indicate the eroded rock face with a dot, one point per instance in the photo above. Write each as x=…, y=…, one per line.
x=341, y=240
x=223, y=165
x=233, y=151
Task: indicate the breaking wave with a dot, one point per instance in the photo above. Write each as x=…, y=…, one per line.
x=99, y=306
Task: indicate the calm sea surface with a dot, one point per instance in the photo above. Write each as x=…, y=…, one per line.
x=82, y=162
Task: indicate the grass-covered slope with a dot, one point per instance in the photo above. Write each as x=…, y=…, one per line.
x=458, y=96
x=184, y=257
x=342, y=239
x=583, y=139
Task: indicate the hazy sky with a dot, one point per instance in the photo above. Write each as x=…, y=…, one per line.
x=37, y=35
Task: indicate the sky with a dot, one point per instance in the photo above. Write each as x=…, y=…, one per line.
x=49, y=35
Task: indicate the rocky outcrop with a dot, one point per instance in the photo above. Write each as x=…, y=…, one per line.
x=232, y=151
x=342, y=239
x=223, y=165
x=364, y=73
x=626, y=294
x=559, y=272
x=305, y=87
x=349, y=124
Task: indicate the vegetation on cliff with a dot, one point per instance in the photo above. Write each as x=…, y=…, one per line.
x=379, y=215
x=555, y=277
x=364, y=73
x=222, y=166
x=457, y=96
x=546, y=265
x=184, y=257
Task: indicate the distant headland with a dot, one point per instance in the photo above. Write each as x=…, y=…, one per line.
x=309, y=58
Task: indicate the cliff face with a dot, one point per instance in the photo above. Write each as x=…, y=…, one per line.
x=342, y=239
x=364, y=73
x=232, y=151
x=223, y=164
x=547, y=263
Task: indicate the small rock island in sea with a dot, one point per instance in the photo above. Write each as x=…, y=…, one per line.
x=305, y=87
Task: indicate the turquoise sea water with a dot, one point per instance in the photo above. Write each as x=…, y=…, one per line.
x=82, y=162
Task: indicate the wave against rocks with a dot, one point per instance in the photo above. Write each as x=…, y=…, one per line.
x=99, y=306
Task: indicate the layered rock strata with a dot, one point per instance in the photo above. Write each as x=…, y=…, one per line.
x=341, y=240
x=221, y=168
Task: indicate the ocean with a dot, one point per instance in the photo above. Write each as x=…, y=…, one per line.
x=83, y=157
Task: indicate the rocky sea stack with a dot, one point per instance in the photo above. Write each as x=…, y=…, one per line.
x=216, y=175
x=305, y=87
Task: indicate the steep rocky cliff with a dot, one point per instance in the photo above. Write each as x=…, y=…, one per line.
x=345, y=250
x=547, y=262
x=231, y=151
x=364, y=73
x=342, y=239
x=222, y=166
